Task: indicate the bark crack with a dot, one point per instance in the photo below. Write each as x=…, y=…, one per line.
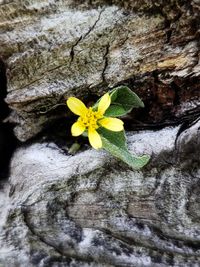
x=95, y=23
x=105, y=58
x=72, y=53
x=72, y=49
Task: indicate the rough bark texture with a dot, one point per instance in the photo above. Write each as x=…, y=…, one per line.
x=90, y=209
x=57, y=48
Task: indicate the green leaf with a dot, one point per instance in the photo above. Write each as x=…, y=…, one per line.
x=117, y=138
x=123, y=100
x=115, y=143
x=115, y=111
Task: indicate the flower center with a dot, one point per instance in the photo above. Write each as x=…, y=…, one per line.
x=90, y=119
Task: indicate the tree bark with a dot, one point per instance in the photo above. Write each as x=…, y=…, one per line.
x=90, y=209
x=59, y=48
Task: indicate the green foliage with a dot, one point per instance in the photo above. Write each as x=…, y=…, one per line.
x=102, y=129
x=123, y=100
x=115, y=143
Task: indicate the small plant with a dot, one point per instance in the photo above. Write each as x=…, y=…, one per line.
x=103, y=129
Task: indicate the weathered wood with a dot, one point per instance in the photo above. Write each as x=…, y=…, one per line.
x=57, y=48
x=90, y=209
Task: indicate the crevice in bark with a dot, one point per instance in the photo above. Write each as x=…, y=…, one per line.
x=165, y=103
x=105, y=58
x=7, y=139
x=4, y=110
x=95, y=23
x=72, y=53
x=72, y=49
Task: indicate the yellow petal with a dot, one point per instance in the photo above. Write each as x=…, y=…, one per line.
x=94, y=139
x=77, y=129
x=104, y=103
x=76, y=106
x=112, y=124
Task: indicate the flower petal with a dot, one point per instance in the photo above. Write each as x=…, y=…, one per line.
x=76, y=106
x=112, y=124
x=94, y=139
x=77, y=128
x=104, y=103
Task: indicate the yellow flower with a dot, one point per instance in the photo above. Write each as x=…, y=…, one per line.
x=90, y=120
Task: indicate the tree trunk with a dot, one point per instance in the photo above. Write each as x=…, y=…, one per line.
x=90, y=209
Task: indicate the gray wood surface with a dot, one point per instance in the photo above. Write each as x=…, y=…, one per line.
x=90, y=209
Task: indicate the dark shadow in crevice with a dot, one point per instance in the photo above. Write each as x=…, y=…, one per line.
x=8, y=141
x=4, y=110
